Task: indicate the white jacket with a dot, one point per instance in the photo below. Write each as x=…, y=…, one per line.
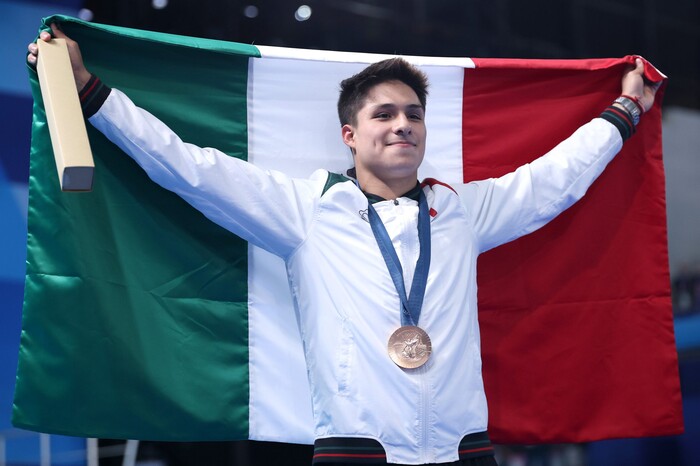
x=346, y=303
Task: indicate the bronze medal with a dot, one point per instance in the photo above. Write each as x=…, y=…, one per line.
x=409, y=347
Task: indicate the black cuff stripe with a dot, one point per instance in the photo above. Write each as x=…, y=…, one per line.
x=622, y=113
x=93, y=95
x=621, y=120
x=475, y=445
x=346, y=450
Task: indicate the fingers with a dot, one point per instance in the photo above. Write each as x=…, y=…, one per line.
x=33, y=50
x=637, y=68
x=57, y=32
x=31, y=58
x=639, y=65
x=46, y=37
x=649, y=87
x=650, y=90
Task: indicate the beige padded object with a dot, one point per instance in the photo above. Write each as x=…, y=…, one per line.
x=69, y=139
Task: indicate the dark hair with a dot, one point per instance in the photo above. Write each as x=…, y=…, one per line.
x=354, y=90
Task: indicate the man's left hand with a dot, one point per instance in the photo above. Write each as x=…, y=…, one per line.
x=635, y=85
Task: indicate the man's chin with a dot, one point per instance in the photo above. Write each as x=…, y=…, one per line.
x=403, y=169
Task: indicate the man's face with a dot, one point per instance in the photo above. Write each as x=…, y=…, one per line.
x=388, y=138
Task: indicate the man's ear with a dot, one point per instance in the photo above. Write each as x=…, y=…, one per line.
x=348, y=134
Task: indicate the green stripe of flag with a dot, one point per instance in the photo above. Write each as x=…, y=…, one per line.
x=115, y=276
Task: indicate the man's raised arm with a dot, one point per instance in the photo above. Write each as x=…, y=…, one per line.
x=266, y=208
x=520, y=202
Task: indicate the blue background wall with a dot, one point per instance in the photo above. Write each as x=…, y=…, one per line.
x=20, y=24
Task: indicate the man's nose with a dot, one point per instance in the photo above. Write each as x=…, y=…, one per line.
x=403, y=125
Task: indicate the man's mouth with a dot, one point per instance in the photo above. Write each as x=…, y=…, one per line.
x=401, y=143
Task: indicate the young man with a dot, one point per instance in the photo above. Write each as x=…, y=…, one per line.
x=381, y=268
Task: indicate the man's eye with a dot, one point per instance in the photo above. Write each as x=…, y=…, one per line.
x=416, y=116
x=382, y=116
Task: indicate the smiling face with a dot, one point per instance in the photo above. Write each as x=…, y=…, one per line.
x=388, y=139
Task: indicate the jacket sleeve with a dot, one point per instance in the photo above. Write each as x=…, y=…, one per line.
x=266, y=208
x=503, y=209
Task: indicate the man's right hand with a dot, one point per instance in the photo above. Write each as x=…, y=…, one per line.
x=80, y=73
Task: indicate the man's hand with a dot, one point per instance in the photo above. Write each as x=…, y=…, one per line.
x=634, y=85
x=80, y=73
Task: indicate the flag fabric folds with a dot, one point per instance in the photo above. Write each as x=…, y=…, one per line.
x=142, y=319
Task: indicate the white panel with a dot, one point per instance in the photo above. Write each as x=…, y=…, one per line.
x=294, y=128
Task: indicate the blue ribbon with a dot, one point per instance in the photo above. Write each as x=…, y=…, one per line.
x=411, y=305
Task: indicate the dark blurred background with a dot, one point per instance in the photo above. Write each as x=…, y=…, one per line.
x=665, y=32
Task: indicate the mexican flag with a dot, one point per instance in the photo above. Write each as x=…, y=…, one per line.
x=142, y=319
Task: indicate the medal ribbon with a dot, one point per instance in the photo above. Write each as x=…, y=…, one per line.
x=411, y=305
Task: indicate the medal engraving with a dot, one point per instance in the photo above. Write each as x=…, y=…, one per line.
x=409, y=347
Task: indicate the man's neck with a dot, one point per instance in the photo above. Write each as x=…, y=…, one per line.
x=388, y=190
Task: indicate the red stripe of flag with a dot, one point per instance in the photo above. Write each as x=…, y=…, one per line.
x=576, y=321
